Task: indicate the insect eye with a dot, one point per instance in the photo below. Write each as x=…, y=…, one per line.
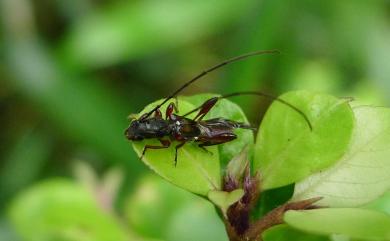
x=135, y=124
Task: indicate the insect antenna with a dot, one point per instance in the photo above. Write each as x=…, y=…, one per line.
x=205, y=72
x=257, y=93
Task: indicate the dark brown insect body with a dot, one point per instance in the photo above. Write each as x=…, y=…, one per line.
x=183, y=129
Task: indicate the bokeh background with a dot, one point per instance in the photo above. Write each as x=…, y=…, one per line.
x=72, y=70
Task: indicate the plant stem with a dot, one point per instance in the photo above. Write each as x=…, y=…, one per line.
x=273, y=218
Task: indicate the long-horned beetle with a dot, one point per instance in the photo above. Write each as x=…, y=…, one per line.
x=183, y=129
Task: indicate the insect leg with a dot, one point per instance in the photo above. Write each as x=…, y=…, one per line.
x=158, y=114
x=205, y=108
x=204, y=149
x=176, y=148
x=164, y=143
x=169, y=112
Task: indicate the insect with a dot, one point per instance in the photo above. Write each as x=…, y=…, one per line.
x=183, y=129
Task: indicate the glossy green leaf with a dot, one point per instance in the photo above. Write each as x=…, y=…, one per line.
x=225, y=199
x=229, y=110
x=286, y=233
x=363, y=174
x=287, y=150
x=197, y=171
x=60, y=209
x=355, y=223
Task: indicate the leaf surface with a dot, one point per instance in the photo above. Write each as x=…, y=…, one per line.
x=59, y=209
x=287, y=150
x=286, y=233
x=363, y=174
x=355, y=223
x=225, y=199
x=197, y=171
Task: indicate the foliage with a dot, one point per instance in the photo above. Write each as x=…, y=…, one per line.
x=71, y=71
x=288, y=150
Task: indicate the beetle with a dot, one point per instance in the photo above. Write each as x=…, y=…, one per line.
x=183, y=129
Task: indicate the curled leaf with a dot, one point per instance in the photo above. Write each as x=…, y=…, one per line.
x=237, y=166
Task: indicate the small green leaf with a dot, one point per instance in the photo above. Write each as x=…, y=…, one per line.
x=363, y=174
x=286, y=233
x=151, y=207
x=60, y=209
x=287, y=150
x=229, y=110
x=355, y=223
x=225, y=199
x=197, y=171
x=196, y=221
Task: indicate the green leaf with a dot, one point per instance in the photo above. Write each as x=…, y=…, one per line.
x=363, y=174
x=355, y=223
x=381, y=204
x=197, y=171
x=151, y=207
x=286, y=233
x=60, y=209
x=287, y=150
x=163, y=211
x=229, y=110
x=271, y=199
x=225, y=199
x=196, y=221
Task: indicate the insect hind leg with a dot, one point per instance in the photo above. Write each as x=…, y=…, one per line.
x=205, y=150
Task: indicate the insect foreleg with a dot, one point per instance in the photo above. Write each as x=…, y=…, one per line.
x=169, y=112
x=164, y=143
x=158, y=114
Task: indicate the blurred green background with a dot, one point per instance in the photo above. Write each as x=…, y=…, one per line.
x=72, y=70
